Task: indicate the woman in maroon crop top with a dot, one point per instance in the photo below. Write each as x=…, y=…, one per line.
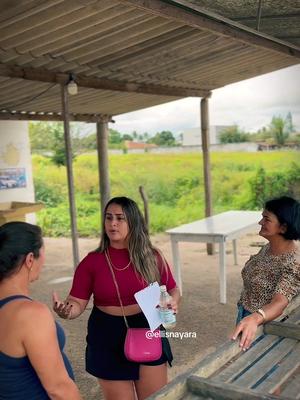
x=136, y=263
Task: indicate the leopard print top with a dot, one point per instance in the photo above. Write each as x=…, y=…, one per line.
x=265, y=274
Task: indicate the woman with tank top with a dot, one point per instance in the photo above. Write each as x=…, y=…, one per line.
x=32, y=362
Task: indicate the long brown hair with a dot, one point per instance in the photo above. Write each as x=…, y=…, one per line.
x=143, y=254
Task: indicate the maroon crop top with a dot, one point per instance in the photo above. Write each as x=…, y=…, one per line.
x=93, y=276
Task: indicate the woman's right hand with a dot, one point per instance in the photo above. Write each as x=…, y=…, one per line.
x=247, y=328
x=62, y=308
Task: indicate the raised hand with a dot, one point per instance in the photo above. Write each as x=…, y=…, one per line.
x=62, y=308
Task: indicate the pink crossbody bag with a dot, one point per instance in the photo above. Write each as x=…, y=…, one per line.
x=141, y=344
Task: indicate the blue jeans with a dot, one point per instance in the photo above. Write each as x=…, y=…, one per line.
x=241, y=313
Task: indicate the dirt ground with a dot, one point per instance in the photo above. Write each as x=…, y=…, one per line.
x=200, y=310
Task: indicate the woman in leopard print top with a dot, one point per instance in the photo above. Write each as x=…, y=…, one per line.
x=272, y=277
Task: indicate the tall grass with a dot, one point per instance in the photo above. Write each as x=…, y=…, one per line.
x=173, y=183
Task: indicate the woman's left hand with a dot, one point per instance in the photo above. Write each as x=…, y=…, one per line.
x=174, y=305
x=247, y=327
x=175, y=294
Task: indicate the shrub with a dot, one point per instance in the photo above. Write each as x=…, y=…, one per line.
x=266, y=186
x=49, y=194
x=233, y=134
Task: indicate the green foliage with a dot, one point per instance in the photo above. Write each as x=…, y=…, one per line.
x=145, y=136
x=233, y=134
x=50, y=195
x=295, y=139
x=163, y=138
x=172, y=182
x=49, y=181
x=40, y=137
x=114, y=137
x=289, y=123
x=261, y=135
x=278, y=131
x=49, y=137
x=85, y=143
x=278, y=183
x=55, y=221
x=281, y=128
x=86, y=176
x=127, y=137
x=58, y=147
x=117, y=141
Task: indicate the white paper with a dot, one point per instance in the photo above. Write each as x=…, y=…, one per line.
x=148, y=299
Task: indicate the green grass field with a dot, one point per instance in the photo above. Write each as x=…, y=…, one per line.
x=172, y=182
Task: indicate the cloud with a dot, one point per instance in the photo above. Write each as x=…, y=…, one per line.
x=250, y=104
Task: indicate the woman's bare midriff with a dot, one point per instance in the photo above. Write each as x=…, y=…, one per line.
x=114, y=310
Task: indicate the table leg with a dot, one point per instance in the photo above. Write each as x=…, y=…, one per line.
x=176, y=263
x=222, y=271
x=234, y=252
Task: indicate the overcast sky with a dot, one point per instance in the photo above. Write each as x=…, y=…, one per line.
x=250, y=104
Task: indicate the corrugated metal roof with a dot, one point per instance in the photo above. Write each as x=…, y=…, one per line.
x=279, y=18
x=156, y=49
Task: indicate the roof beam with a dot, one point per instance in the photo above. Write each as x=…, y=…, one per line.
x=26, y=116
x=192, y=15
x=270, y=16
x=288, y=37
x=42, y=75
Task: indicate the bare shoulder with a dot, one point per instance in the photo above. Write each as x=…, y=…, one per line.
x=36, y=307
x=34, y=313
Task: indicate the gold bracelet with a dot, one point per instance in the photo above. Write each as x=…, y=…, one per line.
x=262, y=313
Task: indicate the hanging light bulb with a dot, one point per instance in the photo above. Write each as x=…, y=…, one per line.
x=72, y=86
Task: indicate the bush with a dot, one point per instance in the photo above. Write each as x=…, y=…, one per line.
x=233, y=134
x=266, y=186
x=49, y=194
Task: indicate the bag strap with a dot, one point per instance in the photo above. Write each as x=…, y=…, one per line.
x=117, y=287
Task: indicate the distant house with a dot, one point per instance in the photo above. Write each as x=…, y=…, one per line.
x=192, y=137
x=130, y=145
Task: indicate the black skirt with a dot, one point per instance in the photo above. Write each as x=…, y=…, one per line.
x=105, y=357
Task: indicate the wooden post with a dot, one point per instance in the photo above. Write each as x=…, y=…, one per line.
x=103, y=168
x=206, y=163
x=71, y=192
x=258, y=16
x=146, y=207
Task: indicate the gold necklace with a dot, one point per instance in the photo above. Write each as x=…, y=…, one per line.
x=116, y=268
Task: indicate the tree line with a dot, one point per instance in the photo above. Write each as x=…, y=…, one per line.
x=48, y=138
x=278, y=132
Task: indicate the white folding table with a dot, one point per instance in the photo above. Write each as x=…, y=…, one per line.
x=218, y=228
